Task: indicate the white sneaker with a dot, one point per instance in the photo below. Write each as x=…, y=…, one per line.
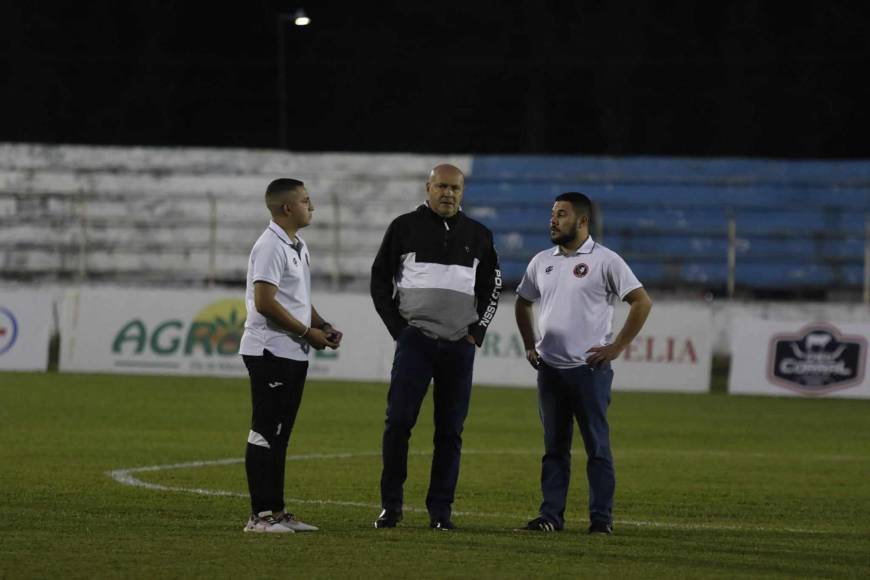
x=267, y=523
x=289, y=521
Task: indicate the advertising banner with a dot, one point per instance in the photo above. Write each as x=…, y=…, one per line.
x=25, y=329
x=197, y=333
x=673, y=352
x=808, y=359
x=163, y=332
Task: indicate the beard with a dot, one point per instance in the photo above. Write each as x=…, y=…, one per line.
x=561, y=239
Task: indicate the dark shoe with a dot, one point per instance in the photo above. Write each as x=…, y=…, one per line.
x=441, y=524
x=388, y=518
x=540, y=524
x=600, y=528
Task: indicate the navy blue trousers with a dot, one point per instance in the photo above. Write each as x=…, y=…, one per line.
x=580, y=393
x=418, y=360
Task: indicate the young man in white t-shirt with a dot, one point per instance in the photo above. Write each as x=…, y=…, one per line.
x=281, y=327
x=576, y=286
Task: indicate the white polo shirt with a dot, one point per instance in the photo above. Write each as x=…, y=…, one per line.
x=576, y=293
x=277, y=260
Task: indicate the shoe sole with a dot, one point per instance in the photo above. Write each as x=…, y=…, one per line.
x=256, y=531
x=304, y=530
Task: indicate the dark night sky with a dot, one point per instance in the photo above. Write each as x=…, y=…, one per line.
x=757, y=78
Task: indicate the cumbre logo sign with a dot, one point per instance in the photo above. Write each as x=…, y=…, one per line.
x=816, y=360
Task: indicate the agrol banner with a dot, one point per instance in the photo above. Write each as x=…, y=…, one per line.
x=190, y=332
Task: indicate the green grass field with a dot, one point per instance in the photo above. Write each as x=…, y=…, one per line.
x=708, y=486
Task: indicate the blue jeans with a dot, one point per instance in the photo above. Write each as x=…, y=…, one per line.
x=580, y=393
x=418, y=360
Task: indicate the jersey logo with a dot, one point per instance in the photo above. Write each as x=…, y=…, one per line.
x=581, y=270
x=295, y=263
x=548, y=269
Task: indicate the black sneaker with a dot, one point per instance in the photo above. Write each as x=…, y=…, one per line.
x=388, y=518
x=600, y=528
x=540, y=524
x=441, y=524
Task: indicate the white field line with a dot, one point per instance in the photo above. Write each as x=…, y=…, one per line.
x=126, y=477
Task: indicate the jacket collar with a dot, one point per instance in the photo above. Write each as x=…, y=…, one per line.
x=424, y=209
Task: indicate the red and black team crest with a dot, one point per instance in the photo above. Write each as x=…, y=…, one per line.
x=581, y=270
x=816, y=360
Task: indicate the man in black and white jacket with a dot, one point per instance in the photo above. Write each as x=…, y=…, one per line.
x=436, y=284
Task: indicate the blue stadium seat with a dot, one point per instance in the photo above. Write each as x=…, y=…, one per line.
x=852, y=275
x=852, y=248
x=755, y=247
x=781, y=274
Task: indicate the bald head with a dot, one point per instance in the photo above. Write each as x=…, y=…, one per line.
x=445, y=187
x=444, y=170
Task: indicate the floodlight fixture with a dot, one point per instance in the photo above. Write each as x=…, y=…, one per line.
x=300, y=18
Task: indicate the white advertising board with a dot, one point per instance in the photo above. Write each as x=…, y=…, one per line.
x=190, y=332
x=673, y=351
x=25, y=329
x=196, y=333
x=123, y=330
x=800, y=359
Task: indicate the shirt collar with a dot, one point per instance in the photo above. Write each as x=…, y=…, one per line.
x=586, y=248
x=282, y=235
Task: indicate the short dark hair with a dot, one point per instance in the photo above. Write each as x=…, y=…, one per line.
x=582, y=204
x=283, y=184
x=276, y=189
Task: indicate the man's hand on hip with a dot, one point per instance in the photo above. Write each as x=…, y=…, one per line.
x=602, y=355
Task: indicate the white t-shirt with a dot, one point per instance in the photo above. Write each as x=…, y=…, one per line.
x=576, y=293
x=277, y=260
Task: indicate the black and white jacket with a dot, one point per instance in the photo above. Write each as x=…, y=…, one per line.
x=438, y=274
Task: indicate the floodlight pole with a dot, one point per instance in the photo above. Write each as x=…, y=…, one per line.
x=299, y=18
x=282, y=21
x=867, y=260
x=732, y=255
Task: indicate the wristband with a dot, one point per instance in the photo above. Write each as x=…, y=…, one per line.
x=307, y=328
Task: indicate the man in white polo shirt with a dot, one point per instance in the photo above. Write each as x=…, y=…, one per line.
x=281, y=327
x=576, y=286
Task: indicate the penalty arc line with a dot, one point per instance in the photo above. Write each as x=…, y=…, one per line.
x=126, y=477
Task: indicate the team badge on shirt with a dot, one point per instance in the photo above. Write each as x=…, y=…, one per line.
x=548, y=269
x=581, y=270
